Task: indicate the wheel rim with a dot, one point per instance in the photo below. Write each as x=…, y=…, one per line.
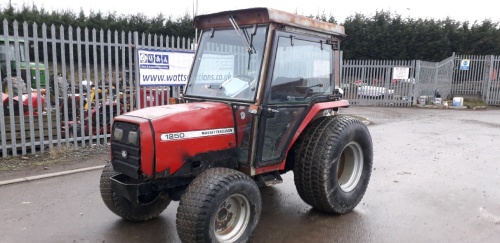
x=350, y=166
x=231, y=219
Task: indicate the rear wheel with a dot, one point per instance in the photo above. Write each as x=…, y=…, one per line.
x=220, y=205
x=333, y=162
x=150, y=207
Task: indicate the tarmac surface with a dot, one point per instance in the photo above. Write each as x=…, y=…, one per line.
x=436, y=178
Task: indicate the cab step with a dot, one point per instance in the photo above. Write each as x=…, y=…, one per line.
x=268, y=179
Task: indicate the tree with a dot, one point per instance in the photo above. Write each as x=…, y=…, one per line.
x=384, y=35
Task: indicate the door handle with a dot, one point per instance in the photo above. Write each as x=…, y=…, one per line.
x=270, y=110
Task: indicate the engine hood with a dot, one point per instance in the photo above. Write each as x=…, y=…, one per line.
x=182, y=131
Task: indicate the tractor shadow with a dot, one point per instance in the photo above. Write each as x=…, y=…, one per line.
x=286, y=218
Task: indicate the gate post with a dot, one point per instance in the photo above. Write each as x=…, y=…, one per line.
x=488, y=79
x=416, y=91
x=136, y=68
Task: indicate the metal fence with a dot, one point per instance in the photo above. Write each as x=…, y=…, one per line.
x=477, y=76
x=469, y=79
x=435, y=78
x=62, y=86
x=491, y=91
x=370, y=82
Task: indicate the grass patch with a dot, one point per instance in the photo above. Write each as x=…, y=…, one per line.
x=473, y=102
x=19, y=162
x=56, y=155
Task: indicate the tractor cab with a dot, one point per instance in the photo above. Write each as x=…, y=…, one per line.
x=272, y=67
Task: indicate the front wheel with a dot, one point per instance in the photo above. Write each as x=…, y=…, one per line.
x=220, y=205
x=333, y=163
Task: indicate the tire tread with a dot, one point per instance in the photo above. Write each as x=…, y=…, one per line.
x=313, y=152
x=198, y=199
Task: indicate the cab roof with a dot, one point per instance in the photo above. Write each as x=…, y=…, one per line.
x=264, y=16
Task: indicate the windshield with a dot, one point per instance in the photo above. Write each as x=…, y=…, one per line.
x=227, y=66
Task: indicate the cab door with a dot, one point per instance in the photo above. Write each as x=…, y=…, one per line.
x=301, y=69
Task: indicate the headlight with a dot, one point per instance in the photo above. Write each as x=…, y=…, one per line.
x=118, y=134
x=132, y=138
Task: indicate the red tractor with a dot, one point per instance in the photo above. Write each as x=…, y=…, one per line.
x=262, y=99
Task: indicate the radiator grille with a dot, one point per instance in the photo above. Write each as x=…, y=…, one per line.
x=126, y=157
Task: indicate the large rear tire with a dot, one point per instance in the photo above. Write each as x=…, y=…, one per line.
x=132, y=211
x=333, y=163
x=220, y=205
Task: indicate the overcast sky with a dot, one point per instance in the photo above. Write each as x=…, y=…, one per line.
x=478, y=10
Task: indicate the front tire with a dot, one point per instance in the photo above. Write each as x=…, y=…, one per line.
x=333, y=163
x=133, y=211
x=220, y=205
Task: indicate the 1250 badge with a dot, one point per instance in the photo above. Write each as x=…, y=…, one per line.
x=173, y=136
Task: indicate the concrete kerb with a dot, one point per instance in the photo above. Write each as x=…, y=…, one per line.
x=37, y=177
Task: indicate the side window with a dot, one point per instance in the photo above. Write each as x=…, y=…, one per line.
x=302, y=69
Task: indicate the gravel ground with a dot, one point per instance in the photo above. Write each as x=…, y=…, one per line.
x=55, y=160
